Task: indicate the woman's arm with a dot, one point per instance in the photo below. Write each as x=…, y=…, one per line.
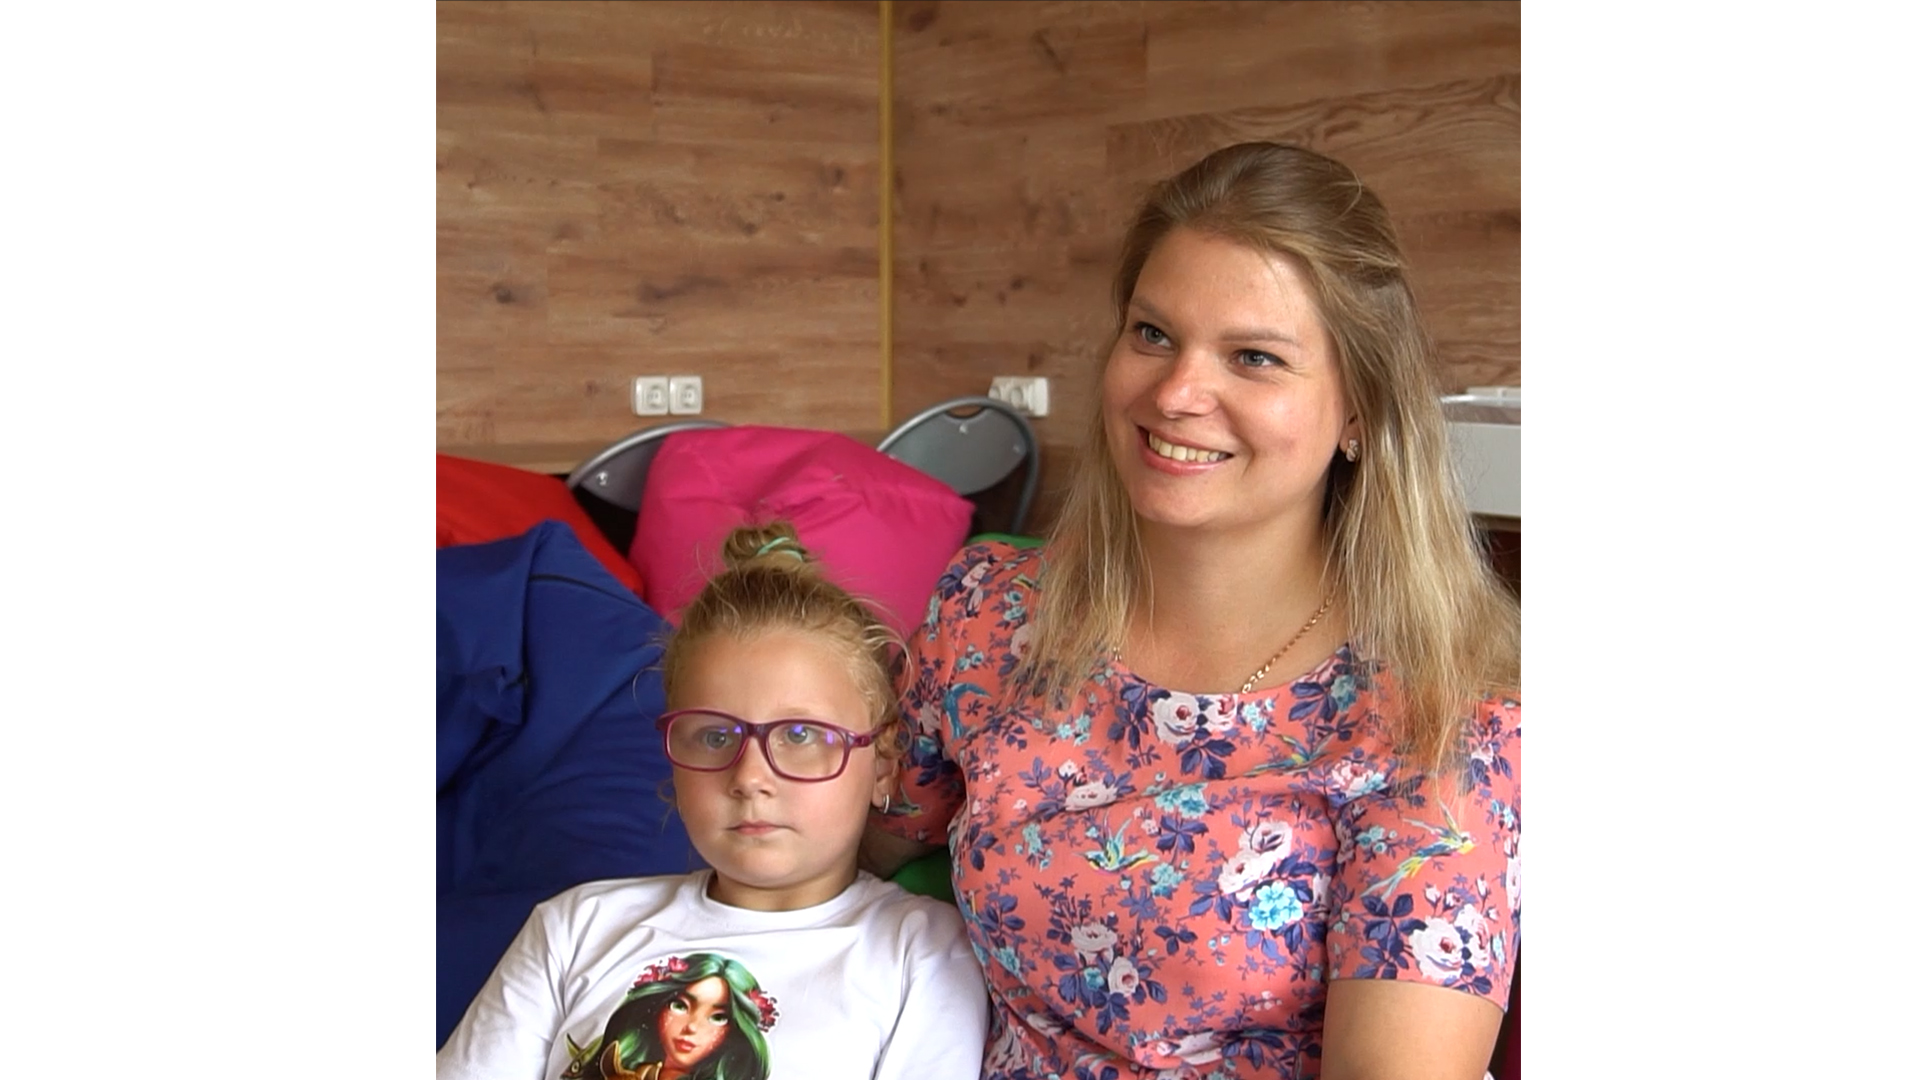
x=1382, y=1029
x=931, y=788
x=1426, y=915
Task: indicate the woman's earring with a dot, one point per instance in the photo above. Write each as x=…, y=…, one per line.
x=1353, y=449
x=886, y=805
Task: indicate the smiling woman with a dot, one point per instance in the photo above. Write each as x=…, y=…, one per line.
x=1230, y=766
x=1222, y=400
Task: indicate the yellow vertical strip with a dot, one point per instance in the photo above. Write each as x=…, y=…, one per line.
x=886, y=215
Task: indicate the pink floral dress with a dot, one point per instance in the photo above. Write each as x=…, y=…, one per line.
x=1161, y=883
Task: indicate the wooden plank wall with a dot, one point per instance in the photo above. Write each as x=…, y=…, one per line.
x=663, y=188
x=1025, y=132
x=654, y=188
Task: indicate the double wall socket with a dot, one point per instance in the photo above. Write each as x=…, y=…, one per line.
x=1025, y=393
x=668, y=395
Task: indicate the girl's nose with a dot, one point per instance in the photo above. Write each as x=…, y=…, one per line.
x=753, y=773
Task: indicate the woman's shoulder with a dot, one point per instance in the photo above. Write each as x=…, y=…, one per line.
x=1377, y=687
x=1494, y=719
x=987, y=557
x=1362, y=700
x=985, y=576
x=1494, y=744
x=1501, y=707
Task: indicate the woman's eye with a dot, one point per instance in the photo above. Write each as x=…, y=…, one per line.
x=678, y=1005
x=1150, y=334
x=1256, y=358
x=719, y=1019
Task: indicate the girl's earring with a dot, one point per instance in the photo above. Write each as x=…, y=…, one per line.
x=1353, y=449
x=886, y=804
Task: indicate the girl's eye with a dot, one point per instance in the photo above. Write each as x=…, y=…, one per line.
x=720, y=1019
x=1150, y=334
x=798, y=734
x=716, y=738
x=678, y=1004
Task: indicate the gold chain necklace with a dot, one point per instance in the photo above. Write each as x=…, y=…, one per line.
x=1247, y=687
x=1298, y=634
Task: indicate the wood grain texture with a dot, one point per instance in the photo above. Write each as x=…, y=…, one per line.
x=693, y=187
x=653, y=189
x=1026, y=133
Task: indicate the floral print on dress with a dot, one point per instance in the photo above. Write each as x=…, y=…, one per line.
x=1161, y=883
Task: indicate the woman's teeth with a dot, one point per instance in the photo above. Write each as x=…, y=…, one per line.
x=1182, y=453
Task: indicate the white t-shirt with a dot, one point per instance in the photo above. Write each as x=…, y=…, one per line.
x=875, y=982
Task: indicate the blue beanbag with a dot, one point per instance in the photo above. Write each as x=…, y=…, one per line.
x=548, y=771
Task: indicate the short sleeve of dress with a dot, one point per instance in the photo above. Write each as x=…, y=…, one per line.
x=931, y=784
x=1429, y=889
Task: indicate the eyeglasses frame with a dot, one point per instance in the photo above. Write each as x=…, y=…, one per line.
x=758, y=733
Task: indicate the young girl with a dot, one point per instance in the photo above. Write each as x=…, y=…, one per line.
x=782, y=960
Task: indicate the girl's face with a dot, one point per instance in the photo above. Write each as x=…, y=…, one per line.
x=777, y=844
x=693, y=1023
x=1222, y=398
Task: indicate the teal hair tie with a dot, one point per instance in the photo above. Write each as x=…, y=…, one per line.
x=782, y=544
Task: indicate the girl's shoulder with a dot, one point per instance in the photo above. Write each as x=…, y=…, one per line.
x=624, y=893
x=891, y=906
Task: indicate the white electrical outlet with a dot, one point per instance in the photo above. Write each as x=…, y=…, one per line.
x=685, y=396
x=1028, y=394
x=650, y=395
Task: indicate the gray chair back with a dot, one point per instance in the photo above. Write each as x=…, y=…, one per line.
x=618, y=474
x=970, y=444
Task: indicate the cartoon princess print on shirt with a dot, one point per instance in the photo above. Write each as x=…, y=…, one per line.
x=697, y=1017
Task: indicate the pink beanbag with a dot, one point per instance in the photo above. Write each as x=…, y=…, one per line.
x=882, y=530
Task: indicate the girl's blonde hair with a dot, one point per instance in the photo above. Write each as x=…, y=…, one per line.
x=1401, y=548
x=769, y=583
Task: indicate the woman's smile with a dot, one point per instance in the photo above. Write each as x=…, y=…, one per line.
x=1182, y=453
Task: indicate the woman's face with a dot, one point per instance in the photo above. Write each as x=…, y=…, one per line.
x=694, y=1022
x=1222, y=398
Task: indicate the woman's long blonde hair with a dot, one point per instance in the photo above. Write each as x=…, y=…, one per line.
x=1419, y=594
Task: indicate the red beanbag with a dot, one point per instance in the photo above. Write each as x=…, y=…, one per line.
x=480, y=501
x=882, y=530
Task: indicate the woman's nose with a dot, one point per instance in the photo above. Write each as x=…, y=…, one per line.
x=1186, y=386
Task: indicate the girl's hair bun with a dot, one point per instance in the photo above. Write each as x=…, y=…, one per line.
x=772, y=544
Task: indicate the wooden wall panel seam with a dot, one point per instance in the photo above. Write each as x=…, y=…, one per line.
x=886, y=215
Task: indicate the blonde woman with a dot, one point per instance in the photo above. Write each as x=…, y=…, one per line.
x=1229, y=768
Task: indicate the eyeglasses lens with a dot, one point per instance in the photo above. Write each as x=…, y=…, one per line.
x=797, y=749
